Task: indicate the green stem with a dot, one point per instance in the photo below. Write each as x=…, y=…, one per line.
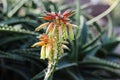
x=51, y=69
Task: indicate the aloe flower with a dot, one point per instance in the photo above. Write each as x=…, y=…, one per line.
x=49, y=47
x=58, y=24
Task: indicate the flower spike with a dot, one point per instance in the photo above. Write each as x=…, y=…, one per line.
x=54, y=41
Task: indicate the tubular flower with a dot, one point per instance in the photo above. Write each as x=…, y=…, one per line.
x=58, y=23
x=49, y=47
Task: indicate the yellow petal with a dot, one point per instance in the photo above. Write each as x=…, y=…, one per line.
x=43, y=52
x=49, y=27
x=38, y=44
x=48, y=50
x=62, y=51
x=50, y=35
x=53, y=32
x=65, y=42
x=60, y=33
x=71, y=34
x=42, y=26
x=65, y=34
x=65, y=47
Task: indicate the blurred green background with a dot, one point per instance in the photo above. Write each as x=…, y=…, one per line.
x=93, y=55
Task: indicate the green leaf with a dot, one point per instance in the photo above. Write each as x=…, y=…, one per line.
x=39, y=75
x=102, y=62
x=16, y=70
x=84, y=33
x=16, y=8
x=97, y=26
x=12, y=21
x=114, y=55
x=10, y=39
x=5, y=28
x=27, y=53
x=110, y=46
x=105, y=68
x=65, y=63
x=104, y=39
x=92, y=42
x=75, y=75
x=11, y=56
x=110, y=26
x=91, y=51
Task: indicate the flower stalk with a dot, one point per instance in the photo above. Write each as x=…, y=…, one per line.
x=52, y=65
x=51, y=69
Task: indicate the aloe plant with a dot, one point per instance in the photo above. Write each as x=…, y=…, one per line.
x=91, y=55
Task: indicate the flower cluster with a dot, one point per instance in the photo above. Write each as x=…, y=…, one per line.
x=58, y=23
x=47, y=46
x=58, y=31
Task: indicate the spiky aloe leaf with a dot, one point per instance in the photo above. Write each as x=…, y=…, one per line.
x=6, y=28
x=102, y=62
x=39, y=75
x=11, y=56
x=93, y=41
x=19, y=21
